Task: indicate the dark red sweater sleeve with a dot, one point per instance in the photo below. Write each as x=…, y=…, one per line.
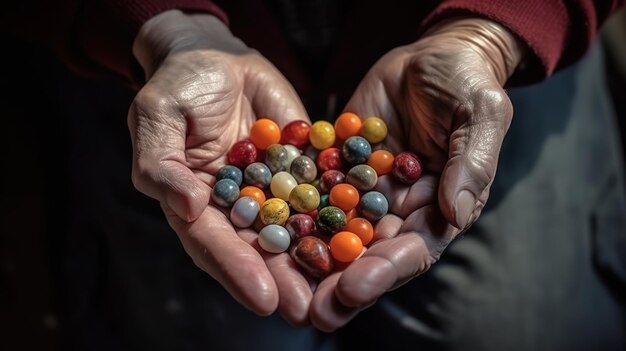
x=557, y=32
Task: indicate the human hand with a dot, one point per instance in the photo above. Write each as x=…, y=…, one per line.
x=204, y=91
x=442, y=98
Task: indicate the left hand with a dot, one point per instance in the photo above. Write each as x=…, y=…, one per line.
x=442, y=98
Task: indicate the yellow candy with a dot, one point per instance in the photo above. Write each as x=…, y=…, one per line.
x=374, y=130
x=274, y=211
x=322, y=135
x=304, y=198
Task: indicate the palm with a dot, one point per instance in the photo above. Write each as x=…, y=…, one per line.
x=183, y=122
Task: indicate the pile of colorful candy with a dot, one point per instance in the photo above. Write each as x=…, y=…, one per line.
x=308, y=189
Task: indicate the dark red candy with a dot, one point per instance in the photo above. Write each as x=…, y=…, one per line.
x=407, y=167
x=313, y=256
x=296, y=133
x=331, y=178
x=300, y=225
x=330, y=158
x=242, y=153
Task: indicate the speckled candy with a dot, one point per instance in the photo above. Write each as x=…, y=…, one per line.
x=274, y=211
x=407, y=167
x=300, y=225
x=230, y=172
x=225, y=192
x=356, y=150
x=303, y=169
x=282, y=184
x=292, y=153
x=362, y=177
x=330, y=158
x=257, y=174
x=331, y=178
x=312, y=256
x=304, y=198
x=274, y=239
x=242, y=153
x=276, y=158
x=331, y=219
x=296, y=133
x=373, y=206
x=244, y=212
x=322, y=135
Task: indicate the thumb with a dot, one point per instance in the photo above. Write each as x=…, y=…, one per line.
x=473, y=155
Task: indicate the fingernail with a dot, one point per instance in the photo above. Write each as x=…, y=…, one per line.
x=464, y=207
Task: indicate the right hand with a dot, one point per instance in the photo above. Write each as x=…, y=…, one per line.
x=204, y=91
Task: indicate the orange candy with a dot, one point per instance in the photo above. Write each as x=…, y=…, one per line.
x=362, y=228
x=353, y=213
x=381, y=161
x=345, y=246
x=264, y=133
x=347, y=124
x=344, y=196
x=254, y=192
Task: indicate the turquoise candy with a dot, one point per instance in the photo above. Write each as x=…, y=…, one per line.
x=225, y=192
x=331, y=219
x=356, y=150
x=230, y=172
x=373, y=206
x=257, y=174
x=244, y=212
x=324, y=201
x=274, y=238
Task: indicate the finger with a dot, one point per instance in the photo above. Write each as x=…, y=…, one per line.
x=272, y=96
x=405, y=199
x=159, y=167
x=215, y=247
x=327, y=313
x=390, y=263
x=473, y=155
x=294, y=290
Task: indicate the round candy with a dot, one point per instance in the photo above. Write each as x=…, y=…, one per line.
x=407, y=167
x=303, y=169
x=373, y=206
x=331, y=178
x=242, y=153
x=363, y=177
x=300, y=225
x=331, y=219
x=296, y=133
x=257, y=174
x=374, y=130
x=381, y=161
x=362, y=228
x=304, y=198
x=330, y=158
x=253, y=192
x=274, y=239
x=347, y=124
x=230, y=172
x=264, y=133
x=353, y=213
x=276, y=158
x=345, y=246
x=322, y=135
x=244, y=212
x=282, y=184
x=312, y=152
x=356, y=150
x=292, y=153
x=274, y=211
x=344, y=196
x=225, y=192
x=324, y=201
x=313, y=256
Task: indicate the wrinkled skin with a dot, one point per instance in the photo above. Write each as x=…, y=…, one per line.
x=204, y=90
x=442, y=98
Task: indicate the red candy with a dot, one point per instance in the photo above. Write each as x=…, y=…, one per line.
x=407, y=167
x=242, y=154
x=330, y=158
x=300, y=225
x=331, y=178
x=296, y=133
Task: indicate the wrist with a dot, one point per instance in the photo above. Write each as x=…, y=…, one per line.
x=502, y=51
x=174, y=31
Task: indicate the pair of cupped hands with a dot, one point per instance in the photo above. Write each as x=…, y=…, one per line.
x=441, y=97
